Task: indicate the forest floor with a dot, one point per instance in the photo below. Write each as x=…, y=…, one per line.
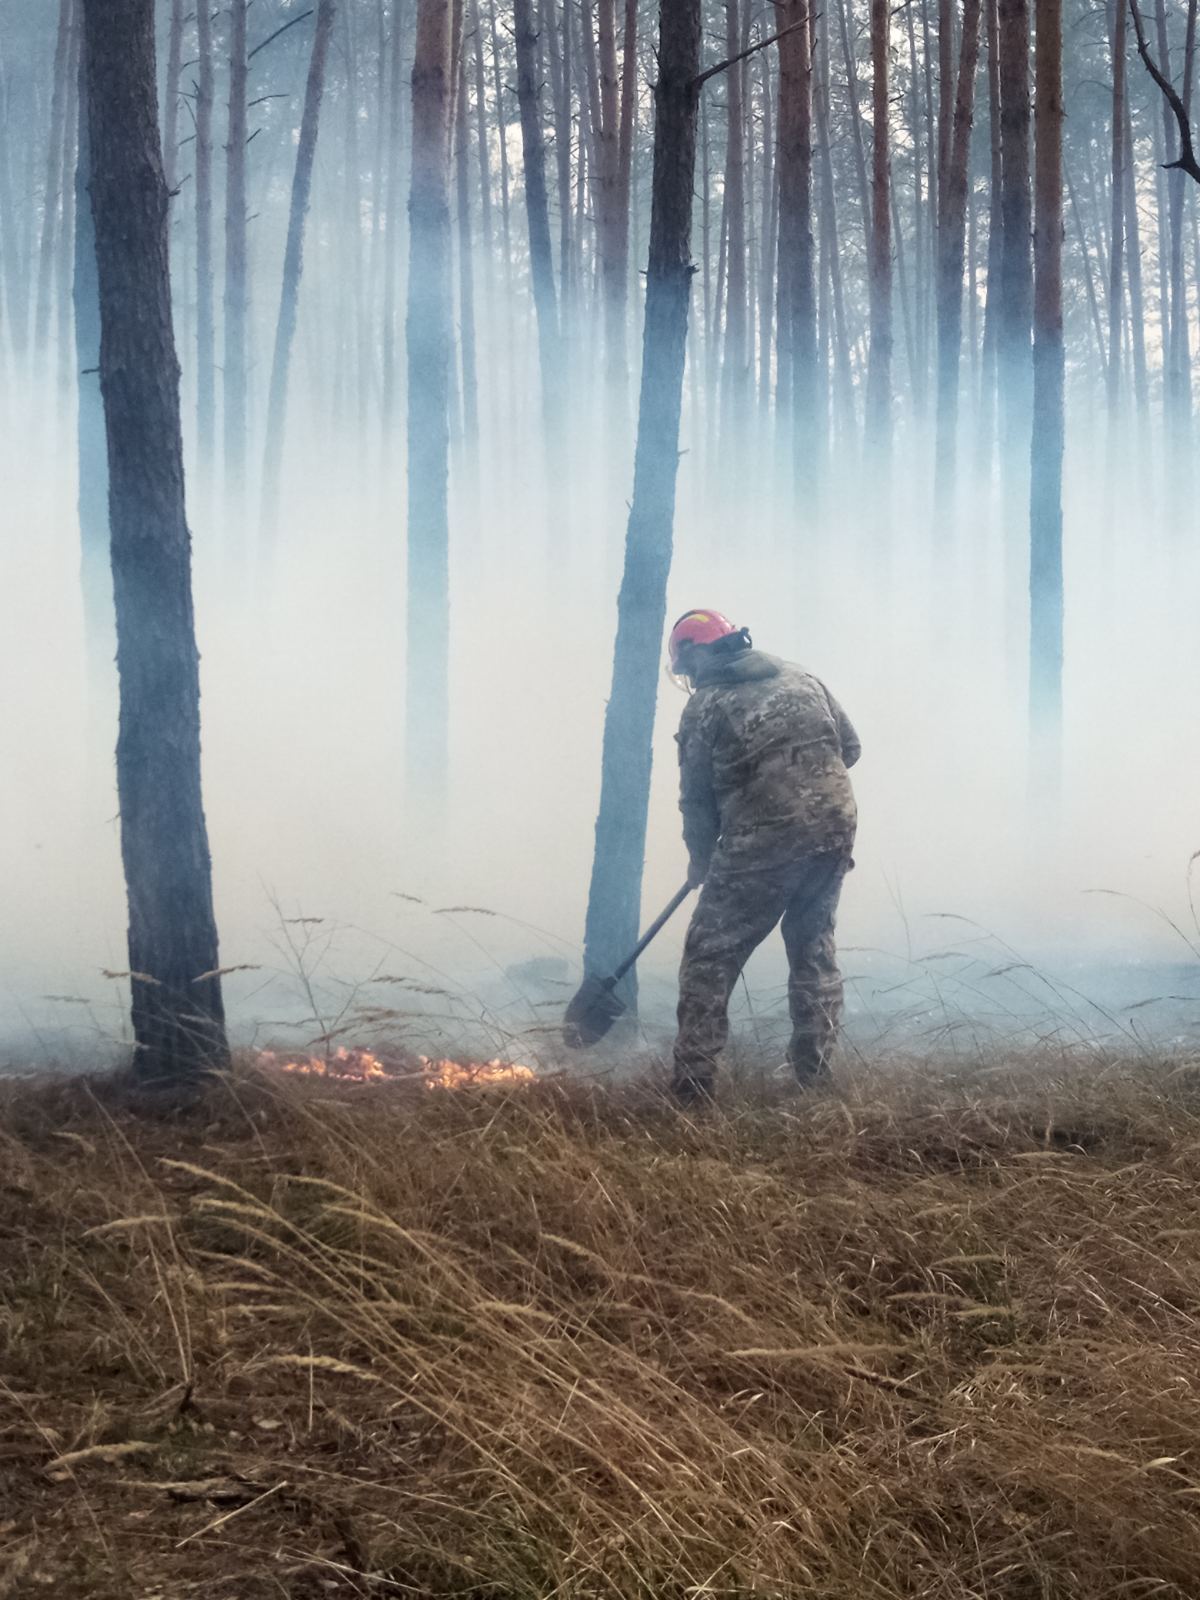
x=932, y=1334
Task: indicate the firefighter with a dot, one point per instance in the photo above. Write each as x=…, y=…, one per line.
x=769, y=821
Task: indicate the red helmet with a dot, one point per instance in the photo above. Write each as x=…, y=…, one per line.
x=697, y=627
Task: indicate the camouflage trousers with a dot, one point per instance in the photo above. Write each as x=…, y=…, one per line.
x=738, y=907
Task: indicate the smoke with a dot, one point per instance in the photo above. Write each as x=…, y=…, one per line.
x=330, y=875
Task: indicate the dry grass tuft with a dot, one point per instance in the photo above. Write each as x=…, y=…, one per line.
x=934, y=1335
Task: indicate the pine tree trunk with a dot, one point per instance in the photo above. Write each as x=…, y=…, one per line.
x=615, y=894
x=879, y=372
x=505, y=204
x=985, y=434
x=560, y=90
x=429, y=344
x=293, y=267
x=466, y=274
x=538, y=214
x=1179, y=369
x=391, y=244
x=856, y=118
x=95, y=564
x=608, y=219
x=171, y=95
x=52, y=193
x=733, y=371
x=64, y=258
x=1116, y=259
x=236, y=285
x=797, y=330
x=1137, y=306
x=178, y=1017
x=1015, y=307
x=1046, y=461
x=768, y=256
x=482, y=147
x=951, y=239
x=206, y=397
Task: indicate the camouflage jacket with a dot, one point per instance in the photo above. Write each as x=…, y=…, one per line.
x=763, y=753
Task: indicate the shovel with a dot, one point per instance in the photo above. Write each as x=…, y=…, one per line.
x=597, y=1005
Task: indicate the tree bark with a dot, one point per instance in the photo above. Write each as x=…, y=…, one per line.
x=879, y=371
x=1015, y=307
x=171, y=95
x=733, y=370
x=1137, y=307
x=541, y=261
x=1046, y=460
x=615, y=893
x=178, y=1016
x=429, y=344
x=95, y=565
x=466, y=273
x=391, y=243
x=293, y=268
x=1116, y=258
x=206, y=400
x=951, y=240
x=609, y=230
x=236, y=286
x=985, y=434
x=52, y=196
x=797, y=318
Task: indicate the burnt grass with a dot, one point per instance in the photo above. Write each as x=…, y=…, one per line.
x=932, y=1334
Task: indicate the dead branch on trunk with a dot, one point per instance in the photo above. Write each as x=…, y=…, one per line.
x=1187, y=159
x=763, y=44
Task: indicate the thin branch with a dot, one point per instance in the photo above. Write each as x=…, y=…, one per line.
x=1187, y=161
x=271, y=37
x=723, y=66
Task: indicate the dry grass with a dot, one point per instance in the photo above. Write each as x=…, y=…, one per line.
x=930, y=1336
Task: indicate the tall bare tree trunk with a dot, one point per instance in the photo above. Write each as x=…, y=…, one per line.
x=178, y=1016
x=236, y=284
x=541, y=261
x=52, y=195
x=879, y=371
x=171, y=94
x=1116, y=259
x=293, y=268
x=391, y=243
x=985, y=434
x=733, y=371
x=615, y=894
x=797, y=318
x=466, y=273
x=1137, y=306
x=1015, y=306
x=609, y=220
x=429, y=344
x=1046, y=462
x=951, y=239
x=206, y=399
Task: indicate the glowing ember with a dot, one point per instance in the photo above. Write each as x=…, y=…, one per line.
x=361, y=1066
x=465, y=1074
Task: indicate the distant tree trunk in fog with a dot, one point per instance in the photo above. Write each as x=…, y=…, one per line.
x=615, y=894
x=52, y=193
x=797, y=312
x=206, y=399
x=733, y=368
x=1015, y=301
x=236, y=288
x=1046, y=462
x=625, y=154
x=1178, y=363
x=391, y=268
x=293, y=267
x=985, y=431
x=952, y=209
x=466, y=270
x=843, y=377
x=178, y=1017
x=429, y=343
x=1137, y=307
x=64, y=256
x=95, y=565
x=612, y=246
x=505, y=222
x=560, y=69
x=541, y=262
x=878, y=432
x=171, y=95
x=1116, y=255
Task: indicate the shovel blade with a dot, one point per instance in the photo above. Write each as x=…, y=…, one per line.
x=592, y=1012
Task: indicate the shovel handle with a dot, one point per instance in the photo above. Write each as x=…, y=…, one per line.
x=651, y=932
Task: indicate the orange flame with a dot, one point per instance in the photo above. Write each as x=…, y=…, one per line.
x=465, y=1074
x=361, y=1066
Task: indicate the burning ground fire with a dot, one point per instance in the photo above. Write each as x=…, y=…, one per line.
x=362, y=1066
